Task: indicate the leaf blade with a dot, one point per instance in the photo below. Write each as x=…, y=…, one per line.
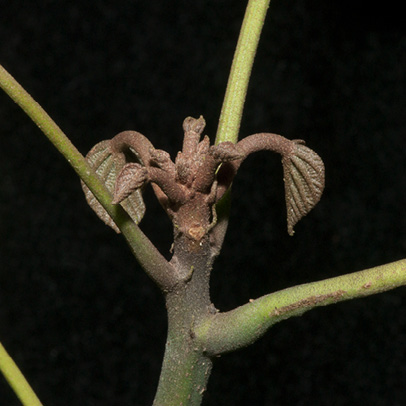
x=107, y=166
x=304, y=177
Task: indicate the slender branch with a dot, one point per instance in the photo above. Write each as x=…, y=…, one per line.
x=157, y=267
x=237, y=85
x=242, y=326
x=231, y=112
x=59, y=139
x=16, y=380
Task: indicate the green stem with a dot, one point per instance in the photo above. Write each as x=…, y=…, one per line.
x=146, y=253
x=16, y=380
x=237, y=85
x=186, y=368
x=242, y=326
x=184, y=375
x=39, y=116
x=231, y=112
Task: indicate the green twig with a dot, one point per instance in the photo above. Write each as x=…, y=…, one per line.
x=231, y=112
x=242, y=326
x=237, y=85
x=16, y=380
x=146, y=253
x=59, y=139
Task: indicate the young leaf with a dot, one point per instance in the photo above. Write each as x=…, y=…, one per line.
x=303, y=172
x=131, y=177
x=107, y=166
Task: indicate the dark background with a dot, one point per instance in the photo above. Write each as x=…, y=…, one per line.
x=78, y=315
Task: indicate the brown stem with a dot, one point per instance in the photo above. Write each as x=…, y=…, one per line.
x=248, y=145
x=186, y=368
x=167, y=184
x=193, y=129
x=205, y=174
x=140, y=145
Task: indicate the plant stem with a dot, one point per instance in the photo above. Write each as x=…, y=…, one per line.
x=237, y=85
x=147, y=255
x=231, y=112
x=16, y=380
x=184, y=375
x=39, y=116
x=186, y=368
x=242, y=326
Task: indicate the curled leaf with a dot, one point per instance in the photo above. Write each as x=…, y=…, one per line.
x=107, y=166
x=303, y=172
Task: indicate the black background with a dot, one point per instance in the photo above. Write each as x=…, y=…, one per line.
x=78, y=315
